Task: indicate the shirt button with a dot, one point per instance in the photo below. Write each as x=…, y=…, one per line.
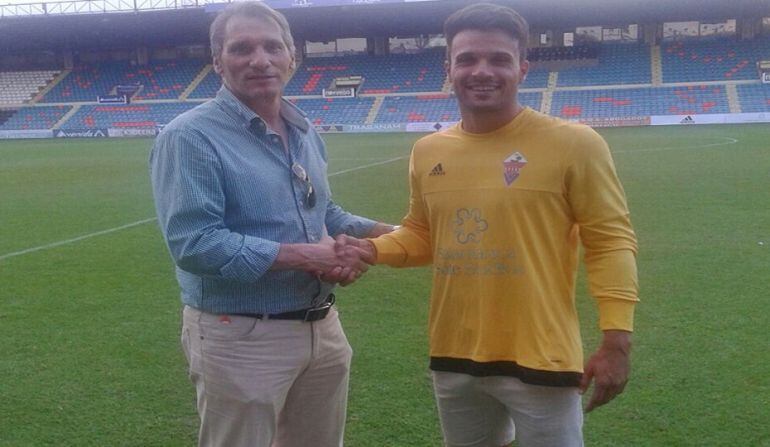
x=275, y=139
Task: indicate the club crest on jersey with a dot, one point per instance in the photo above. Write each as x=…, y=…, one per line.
x=512, y=167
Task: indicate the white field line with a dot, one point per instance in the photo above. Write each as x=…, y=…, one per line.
x=153, y=219
x=370, y=165
x=75, y=239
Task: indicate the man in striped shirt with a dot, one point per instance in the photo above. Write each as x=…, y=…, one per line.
x=244, y=204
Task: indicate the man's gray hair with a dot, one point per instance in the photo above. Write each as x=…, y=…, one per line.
x=251, y=9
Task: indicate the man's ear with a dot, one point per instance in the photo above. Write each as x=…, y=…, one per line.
x=447, y=69
x=217, y=62
x=523, y=69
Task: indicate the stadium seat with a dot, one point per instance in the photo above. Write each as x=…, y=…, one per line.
x=19, y=87
x=28, y=118
x=131, y=115
x=336, y=111
x=432, y=108
x=754, y=97
x=716, y=59
x=635, y=102
x=617, y=64
x=158, y=80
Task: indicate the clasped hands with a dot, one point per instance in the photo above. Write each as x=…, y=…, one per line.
x=343, y=260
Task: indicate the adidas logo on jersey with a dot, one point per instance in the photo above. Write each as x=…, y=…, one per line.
x=437, y=170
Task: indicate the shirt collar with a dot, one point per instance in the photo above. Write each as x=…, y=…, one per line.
x=291, y=113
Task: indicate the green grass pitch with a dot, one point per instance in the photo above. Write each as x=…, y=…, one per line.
x=89, y=309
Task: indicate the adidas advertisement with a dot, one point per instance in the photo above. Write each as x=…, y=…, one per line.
x=709, y=118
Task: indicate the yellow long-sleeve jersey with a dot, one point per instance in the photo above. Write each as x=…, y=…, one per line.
x=501, y=216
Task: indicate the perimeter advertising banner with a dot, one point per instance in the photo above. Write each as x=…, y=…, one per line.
x=436, y=126
x=623, y=121
x=23, y=133
x=122, y=132
x=80, y=133
x=710, y=118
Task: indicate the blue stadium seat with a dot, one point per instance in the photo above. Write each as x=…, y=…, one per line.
x=633, y=102
x=337, y=110
x=130, y=115
x=618, y=64
x=159, y=80
x=42, y=117
x=433, y=108
x=718, y=59
x=754, y=97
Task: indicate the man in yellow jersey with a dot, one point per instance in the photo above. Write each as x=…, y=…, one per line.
x=499, y=204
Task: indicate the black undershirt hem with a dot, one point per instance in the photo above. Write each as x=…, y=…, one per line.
x=511, y=369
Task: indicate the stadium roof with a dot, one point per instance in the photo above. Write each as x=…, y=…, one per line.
x=189, y=25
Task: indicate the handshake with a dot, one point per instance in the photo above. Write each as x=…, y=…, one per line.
x=344, y=259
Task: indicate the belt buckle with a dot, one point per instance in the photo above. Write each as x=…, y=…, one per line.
x=319, y=313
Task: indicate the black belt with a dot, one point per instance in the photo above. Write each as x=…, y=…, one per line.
x=312, y=314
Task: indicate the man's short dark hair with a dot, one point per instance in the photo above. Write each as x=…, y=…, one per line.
x=251, y=9
x=485, y=17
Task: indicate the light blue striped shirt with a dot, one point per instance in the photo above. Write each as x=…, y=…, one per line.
x=226, y=198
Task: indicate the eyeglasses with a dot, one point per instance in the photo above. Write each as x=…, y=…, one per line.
x=301, y=174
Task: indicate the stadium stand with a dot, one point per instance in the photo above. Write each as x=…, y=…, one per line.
x=337, y=110
x=19, y=87
x=208, y=86
x=423, y=108
x=5, y=115
x=159, y=80
x=536, y=78
x=722, y=59
x=591, y=82
x=754, y=97
x=28, y=118
x=430, y=108
x=395, y=73
x=130, y=115
x=632, y=102
x=315, y=74
x=580, y=52
x=617, y=64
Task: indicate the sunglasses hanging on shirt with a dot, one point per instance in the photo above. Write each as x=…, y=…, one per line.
x=301, y=174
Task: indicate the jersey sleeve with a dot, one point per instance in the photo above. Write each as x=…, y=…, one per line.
x=598, y=204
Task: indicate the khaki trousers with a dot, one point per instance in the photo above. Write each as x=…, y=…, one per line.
x=267, y=383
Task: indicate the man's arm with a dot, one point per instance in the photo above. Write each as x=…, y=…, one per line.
x=599, y=206
x=338, y=221
x=329, y=262
x=186, y=178
x=360, y=250
x=380, y=228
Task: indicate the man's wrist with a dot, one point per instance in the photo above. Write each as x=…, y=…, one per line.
x=380, y=228
x=617, y=340
x=295, y=257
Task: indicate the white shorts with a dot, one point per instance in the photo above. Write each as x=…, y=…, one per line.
x=489, y=411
